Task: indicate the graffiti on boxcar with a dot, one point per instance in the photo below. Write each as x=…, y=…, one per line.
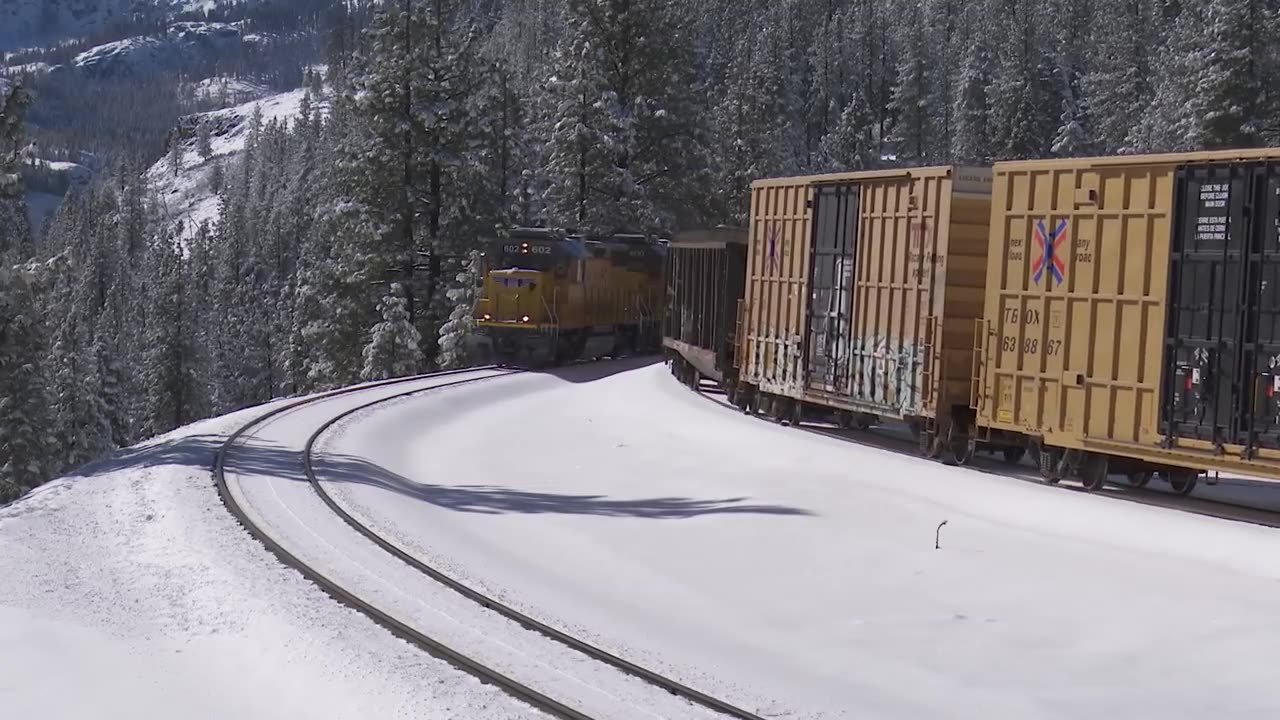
x=886, y=374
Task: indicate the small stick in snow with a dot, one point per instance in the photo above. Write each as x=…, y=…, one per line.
x=937, y=536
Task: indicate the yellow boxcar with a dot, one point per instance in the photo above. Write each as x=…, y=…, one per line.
x=862, y=293
x=1132, y=317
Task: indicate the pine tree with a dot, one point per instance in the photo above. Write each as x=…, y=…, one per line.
x=1231, y=81
x=971, y=142
x=168, y=373
x=913, y=127
x=330, y=314
x=393, y=347
x=1173, y=120
x=204, y=141
x=1119, y=80
x=849, y=145
x=81, y=415
x=176, y=152
x=630, y=84
x=576, y=162
x=751, y=119
x=1025, y=111
x=411, y=128
x=1075, y=135
x=15, y=232
x=454, y=334
x=26, y=451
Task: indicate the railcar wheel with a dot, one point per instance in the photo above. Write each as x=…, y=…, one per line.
x=1014, y=455
x=958, y=449
x=1093, y=471
x=1139, y=479
x=1049, y=459
x=1182, y=481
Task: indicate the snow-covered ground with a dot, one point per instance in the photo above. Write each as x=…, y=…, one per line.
x=753, y=560
x=268, y=480
x=785, y=570
x=130, y=592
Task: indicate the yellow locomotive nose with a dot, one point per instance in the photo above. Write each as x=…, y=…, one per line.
x=514, y=296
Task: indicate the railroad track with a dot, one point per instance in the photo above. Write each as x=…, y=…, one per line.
x=403, y=630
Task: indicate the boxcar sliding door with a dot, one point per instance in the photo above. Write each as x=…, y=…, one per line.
x=835, y=238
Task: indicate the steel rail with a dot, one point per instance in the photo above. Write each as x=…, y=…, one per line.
x=672, y=686
x=396, y=627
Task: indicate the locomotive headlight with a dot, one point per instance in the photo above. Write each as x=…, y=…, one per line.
x=524, y=319
x=487, y=316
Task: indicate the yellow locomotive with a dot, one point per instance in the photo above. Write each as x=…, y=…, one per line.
x=549, y=297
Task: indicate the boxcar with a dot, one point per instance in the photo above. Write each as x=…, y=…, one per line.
x=862, y=291
x=1132, y=317
x=705, y=278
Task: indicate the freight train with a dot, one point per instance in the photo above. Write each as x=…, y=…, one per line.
x=548, y=297
x=1109, y=316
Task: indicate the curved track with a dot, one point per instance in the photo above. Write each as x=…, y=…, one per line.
x=404, y=630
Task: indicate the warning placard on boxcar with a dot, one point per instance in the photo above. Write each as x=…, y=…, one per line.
x=1211, y=220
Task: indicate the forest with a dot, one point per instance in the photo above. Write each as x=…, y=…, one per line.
x=346, y=244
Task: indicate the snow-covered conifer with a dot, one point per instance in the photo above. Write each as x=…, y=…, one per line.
x=204, y=141
x=393, y=347
x=455, y=333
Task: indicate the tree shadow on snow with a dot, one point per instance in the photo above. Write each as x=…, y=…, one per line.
x=495, y=499
x=255, y=457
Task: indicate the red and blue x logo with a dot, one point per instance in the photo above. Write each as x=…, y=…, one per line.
x=1049, y=259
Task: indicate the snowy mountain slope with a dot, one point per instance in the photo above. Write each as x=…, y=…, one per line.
x=129, y=592
x=182, y=44
x=33, y=23
x=188, y=197
x=29, y=23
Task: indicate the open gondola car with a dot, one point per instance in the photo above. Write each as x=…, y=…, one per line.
x=706, y=276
